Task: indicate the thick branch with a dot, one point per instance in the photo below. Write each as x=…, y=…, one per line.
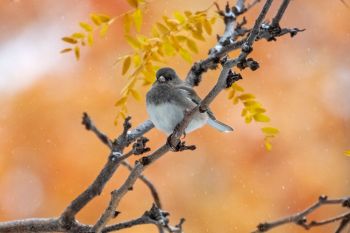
x=32, y=225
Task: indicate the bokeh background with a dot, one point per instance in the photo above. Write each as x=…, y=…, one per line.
x=230, y=183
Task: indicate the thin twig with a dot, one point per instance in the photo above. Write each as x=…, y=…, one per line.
x=300, y=218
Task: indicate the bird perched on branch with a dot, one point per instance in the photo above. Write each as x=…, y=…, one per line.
x=170, y=97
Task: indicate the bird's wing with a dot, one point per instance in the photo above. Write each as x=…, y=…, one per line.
x=192, y=96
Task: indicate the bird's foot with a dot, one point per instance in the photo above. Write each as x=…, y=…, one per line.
x=178, y=145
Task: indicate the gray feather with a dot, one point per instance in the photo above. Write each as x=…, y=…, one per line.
x=219, y=125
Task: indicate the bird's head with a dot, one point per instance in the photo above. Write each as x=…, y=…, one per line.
x=167, y=75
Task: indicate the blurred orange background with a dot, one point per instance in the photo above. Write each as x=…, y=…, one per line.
x=230, y=183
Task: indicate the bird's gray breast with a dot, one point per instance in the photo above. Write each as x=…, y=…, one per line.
x=161, y=93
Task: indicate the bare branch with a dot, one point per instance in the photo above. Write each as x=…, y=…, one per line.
x=301, y=220
x=227, y=42
x=132, y=135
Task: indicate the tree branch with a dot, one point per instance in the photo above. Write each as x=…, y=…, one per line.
x=226, y=43
x=132, y=136
x=301, y=217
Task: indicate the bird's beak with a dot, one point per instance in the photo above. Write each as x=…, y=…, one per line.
x=161, y=79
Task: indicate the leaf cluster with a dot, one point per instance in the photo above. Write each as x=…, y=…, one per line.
x=252, y=111
x=100, y=22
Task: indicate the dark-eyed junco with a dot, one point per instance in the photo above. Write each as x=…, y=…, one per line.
x=168, y=99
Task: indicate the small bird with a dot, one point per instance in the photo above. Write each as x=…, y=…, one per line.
x=168, y=99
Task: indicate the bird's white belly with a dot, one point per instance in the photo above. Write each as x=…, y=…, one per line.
x=166, y=116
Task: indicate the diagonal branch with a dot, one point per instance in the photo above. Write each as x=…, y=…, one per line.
x=118, y=194
x=132, y=136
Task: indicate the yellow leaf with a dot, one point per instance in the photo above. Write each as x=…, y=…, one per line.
x=259, y=110
x=179, y=16
x=173, y=22
x=103, y=18
x=244, y=112
x=235, y=100
x=69, y=40
x=248, y=119
x=121, y=101
x=133, y=42
x=126, y=65
x=261, y=118
x=127, y=23
x=136, y=60
x=95, y=19
x=162, y=28
x=133, y=3
x=137, y=15
x=136, y=94
x=181, y=38
x=213, y=20
x=231, y=94
x=185, y=55
x=90, y=39
x=77, y=52
x=192, y=45
x=169, y=50
x=198, y=35
x=104, y=29
x=268, y=145
x=347, y=152
x=237, y=87
x=207, y=26
x=250, y=103
x=78, y=35
x=66, y=50
x=87, y=27
x=188, y=13
x=246, y=97
x=270, y=130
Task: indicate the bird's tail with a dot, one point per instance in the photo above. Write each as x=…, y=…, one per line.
x=219, y=125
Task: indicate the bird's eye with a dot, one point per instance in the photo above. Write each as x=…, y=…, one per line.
x=168, y=77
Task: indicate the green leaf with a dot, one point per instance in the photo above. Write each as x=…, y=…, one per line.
x=270, y=130
x=347, y=152
x=261, y=118
x=69, y=40
x=66, y=50
x=87, y=27
x=126, y=65
x=137, y=15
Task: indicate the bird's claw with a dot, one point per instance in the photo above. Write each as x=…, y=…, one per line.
x=180, y=145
